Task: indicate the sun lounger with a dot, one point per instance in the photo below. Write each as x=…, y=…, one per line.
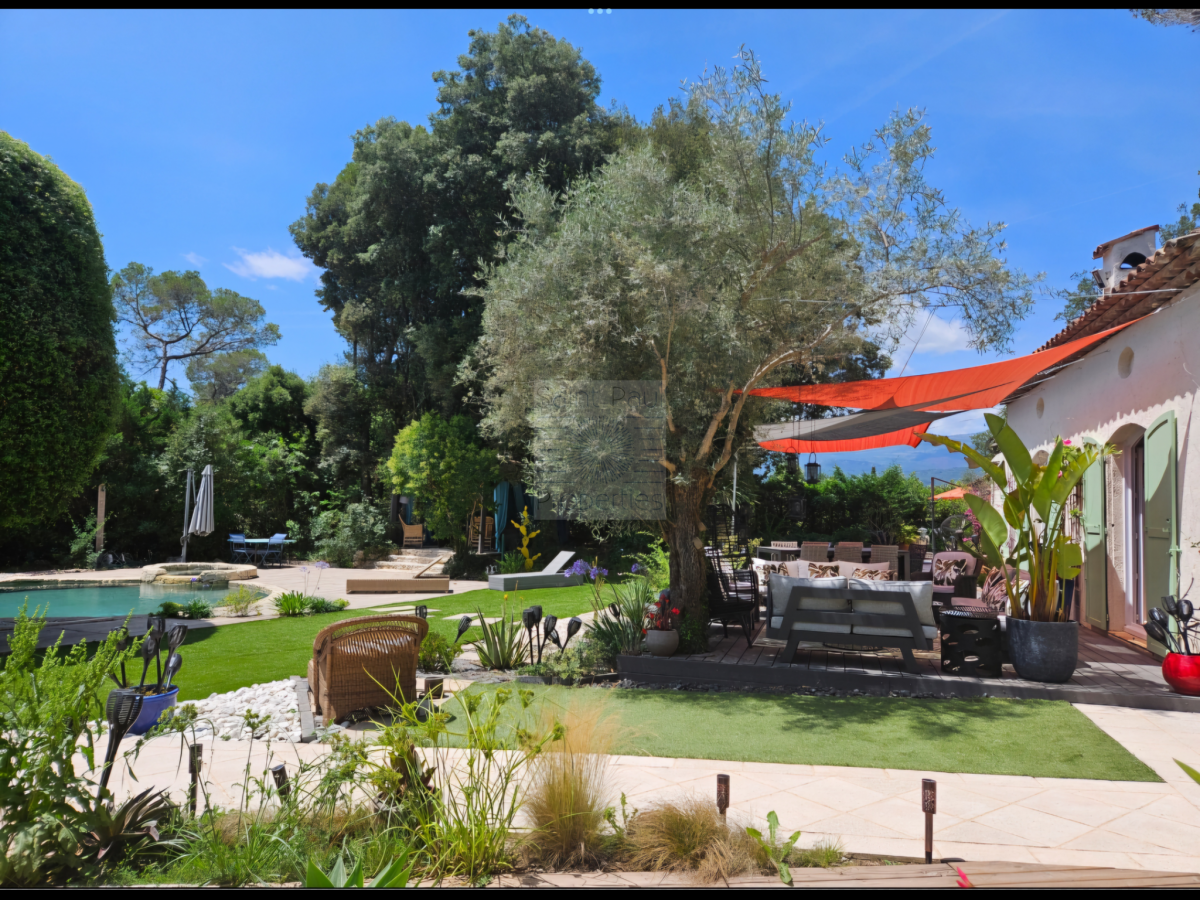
x=551, y=576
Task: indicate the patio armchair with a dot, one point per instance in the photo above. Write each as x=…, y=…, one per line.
x=414, y=535
x=853, y=613
x=273, y=550
x=886, y=553
x=964, y=585
x=238, y=551
x=918, y=554
x=364, y=663
x=815, y=551
x=849, y=551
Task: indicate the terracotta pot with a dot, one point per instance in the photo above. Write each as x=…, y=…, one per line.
x=662, y=643
x=1182, y=673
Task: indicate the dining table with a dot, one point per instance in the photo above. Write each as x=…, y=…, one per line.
x=262, y=542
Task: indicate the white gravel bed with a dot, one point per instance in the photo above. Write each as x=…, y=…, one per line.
x=224, y=714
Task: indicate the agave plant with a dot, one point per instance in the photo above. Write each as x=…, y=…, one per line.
x=119, y=830
x=1034, y=510
x=502, y=644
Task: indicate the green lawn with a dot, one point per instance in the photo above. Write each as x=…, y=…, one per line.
x=233, y=656
x=996, y=737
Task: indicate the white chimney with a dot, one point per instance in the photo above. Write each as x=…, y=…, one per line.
x=1122, y=254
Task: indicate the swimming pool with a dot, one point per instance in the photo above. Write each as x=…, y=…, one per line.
x=102, y=600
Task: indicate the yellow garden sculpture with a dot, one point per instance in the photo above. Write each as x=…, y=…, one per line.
x=523, y=526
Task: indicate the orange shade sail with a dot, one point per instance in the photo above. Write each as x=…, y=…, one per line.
x=891, y=439
x=977, y=387
x=954, y=494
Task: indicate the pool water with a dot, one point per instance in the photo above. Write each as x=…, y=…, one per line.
x=103, y=600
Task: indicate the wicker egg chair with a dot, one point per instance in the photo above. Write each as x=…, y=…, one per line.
x=363, y=663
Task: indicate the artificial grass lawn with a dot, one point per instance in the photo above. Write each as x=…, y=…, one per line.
x=1045, y=738
x=216, y=660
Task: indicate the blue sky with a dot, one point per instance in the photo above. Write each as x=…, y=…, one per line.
x=198, y=135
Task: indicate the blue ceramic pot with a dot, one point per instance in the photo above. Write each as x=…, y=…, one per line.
x=152, y=708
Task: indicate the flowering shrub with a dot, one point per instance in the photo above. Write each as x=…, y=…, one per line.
x=594, y=574
x=661, y=616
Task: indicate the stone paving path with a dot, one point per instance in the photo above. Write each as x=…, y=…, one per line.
x=1019, y=819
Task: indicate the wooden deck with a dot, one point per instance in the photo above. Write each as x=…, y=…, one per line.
x=1110, y=673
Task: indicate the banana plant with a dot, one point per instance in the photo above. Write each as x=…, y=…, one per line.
x=1033, y=513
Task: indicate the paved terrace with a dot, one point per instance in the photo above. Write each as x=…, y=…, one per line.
x=1016, y=819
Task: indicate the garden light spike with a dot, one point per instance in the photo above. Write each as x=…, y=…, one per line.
x=121, y=709
x=529, y=620
x=123, y=645
x=573, y=627
x=548, y=624
x=174, y=664
x=553, y=638
x=1161, y=635
x=422, y=612
x=149, y=648
x=463, y=624
x=616, y=612
x=175, y=638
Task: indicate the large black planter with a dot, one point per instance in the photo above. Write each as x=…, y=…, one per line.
x=1043, y=651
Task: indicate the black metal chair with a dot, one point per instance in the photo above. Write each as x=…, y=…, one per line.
x=274, y=550
x=732, y=594
x=238, y=551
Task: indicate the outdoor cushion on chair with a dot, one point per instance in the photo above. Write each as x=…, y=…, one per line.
x=781, y=586
x=879, y=571
x=922, y=597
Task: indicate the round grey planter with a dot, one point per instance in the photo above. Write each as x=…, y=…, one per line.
x=1043, y=651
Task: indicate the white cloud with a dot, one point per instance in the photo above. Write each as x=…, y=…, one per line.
x=270, y=264
x=195, y=259
x=940, y=337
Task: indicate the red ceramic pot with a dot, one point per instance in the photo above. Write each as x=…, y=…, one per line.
x=1182, y=673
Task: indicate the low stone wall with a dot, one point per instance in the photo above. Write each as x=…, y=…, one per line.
x=205, y=573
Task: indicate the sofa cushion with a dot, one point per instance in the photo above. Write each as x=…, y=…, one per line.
x=765, y=568
x=920, y=591
x=929, y=630
x=781, y=587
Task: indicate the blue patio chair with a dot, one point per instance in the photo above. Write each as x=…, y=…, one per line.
x=274, y=550
x=238, y=551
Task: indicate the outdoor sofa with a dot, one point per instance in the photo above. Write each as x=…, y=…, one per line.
x=364, y=663
x=852, y=612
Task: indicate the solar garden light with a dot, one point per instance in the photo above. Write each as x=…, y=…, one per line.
x=722, y=794
x=463, y=624
x=422, y=612
x=195, y=758
x=121, y=709
x=547, y=629
x=615, y=610
x=553, y=638
x=529, y=621
x=279, y=773
x=929, y=807
x=573, y=627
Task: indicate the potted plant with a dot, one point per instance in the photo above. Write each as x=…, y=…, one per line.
x=1043, y=645
x=1181, y=666
x=662, y=637
x=906, y=535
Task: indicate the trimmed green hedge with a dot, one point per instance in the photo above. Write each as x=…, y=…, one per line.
x=58, y=354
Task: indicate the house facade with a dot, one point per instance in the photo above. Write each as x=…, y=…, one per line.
x=1138, y=513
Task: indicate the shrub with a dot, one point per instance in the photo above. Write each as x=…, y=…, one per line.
x=502, y=644
x=291, y=603
x=654, y=564
x=318, y=605
x=58, y=354
x=170, y=609
x=511, y=563
x=568, y=794
x=339, y=535
x=690, y=835
x=197, y=609
x=242, y=602
x=467, y=566
x=437, y=653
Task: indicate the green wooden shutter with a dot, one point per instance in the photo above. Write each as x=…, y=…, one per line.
x=1160, y=547
x=1095, y=545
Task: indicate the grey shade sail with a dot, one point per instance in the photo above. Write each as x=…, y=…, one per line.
x=202, y=516
x=851, y=427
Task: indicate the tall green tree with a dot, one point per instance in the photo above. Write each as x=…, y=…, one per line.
x=59, y=376
x=443, y=466
x=221, y=375
x=174, y=317
x=401, y=231
x=711, y=285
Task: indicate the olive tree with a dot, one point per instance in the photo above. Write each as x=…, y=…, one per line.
x=719, y=277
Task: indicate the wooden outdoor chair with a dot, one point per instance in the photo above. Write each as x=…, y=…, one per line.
x=414, y=535
x=886, y=553
x=364, y=663
x=489, y=532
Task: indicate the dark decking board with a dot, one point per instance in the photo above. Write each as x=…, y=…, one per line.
x=1110, y=673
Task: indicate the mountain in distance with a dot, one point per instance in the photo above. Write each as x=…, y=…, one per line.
x=924, y=460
